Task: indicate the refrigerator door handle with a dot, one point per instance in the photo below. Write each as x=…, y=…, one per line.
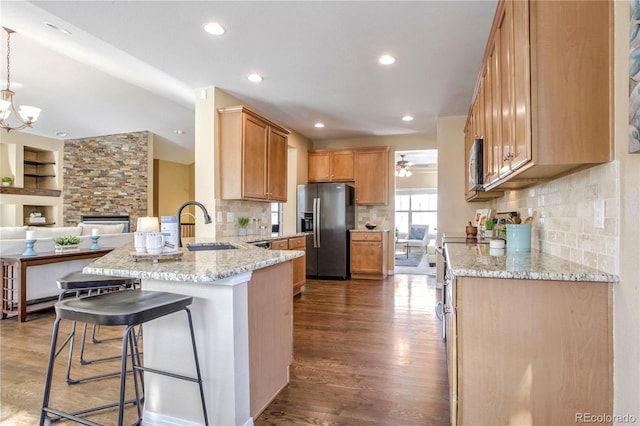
x=315, y=224
x=317, y=228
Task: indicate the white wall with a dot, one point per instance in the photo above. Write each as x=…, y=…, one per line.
x=453, y=210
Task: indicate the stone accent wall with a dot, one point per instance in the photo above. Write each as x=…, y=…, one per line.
x=106, y=175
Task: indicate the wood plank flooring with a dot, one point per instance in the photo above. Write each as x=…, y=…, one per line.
x=365, y=353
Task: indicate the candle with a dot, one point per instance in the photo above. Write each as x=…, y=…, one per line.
x=31, y=235
x=94, y=232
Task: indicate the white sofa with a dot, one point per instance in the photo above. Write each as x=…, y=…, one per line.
x=41, y=280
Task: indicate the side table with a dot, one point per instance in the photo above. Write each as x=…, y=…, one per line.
x=402, y=247
x=14, y=279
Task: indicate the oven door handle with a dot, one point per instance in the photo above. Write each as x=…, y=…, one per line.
x=439, y=310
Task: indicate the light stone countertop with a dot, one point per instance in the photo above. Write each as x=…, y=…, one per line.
x=476, y=260
x=256, y=237
x=195, y=266
x=369, y=230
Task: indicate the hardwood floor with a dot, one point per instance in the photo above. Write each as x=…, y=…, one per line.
x=365, y=353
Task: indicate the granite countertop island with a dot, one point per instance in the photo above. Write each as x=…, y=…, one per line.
x=242, y=314
x=479, y=260
x=195, y=266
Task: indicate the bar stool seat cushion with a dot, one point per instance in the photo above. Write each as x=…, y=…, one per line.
x=77, y=280
x=122, y=307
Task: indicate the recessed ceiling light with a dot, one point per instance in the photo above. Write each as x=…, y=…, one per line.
x=318, y=125
x=214, y=28
x=407, y=118
x=62, y=30
x=61, y=134
x=256, y=78
x=386, y=59
x=179, y=132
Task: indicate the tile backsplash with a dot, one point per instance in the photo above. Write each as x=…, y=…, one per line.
x=565, y=210
x=382, y=216
x=258, y=212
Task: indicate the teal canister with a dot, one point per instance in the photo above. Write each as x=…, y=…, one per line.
x=518, y=237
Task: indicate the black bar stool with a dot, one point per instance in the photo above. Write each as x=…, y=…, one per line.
x=79, y=284
x=120, y=308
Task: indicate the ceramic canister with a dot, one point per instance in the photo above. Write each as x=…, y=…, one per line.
x=518, y=237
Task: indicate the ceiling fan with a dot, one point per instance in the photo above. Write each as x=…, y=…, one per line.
x=403, y=167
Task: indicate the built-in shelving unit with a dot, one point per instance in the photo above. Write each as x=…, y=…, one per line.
x=35, y=164
x=39, y=169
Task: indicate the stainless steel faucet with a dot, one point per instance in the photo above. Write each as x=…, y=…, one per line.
x=207, y=218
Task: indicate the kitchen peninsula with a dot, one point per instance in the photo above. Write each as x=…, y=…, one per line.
x=528, y=336
x=242, y=313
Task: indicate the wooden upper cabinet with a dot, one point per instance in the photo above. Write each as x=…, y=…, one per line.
x=548, y=70
x=254, y=153
x=372, y=176
x=331, y=166
x=319, y=167
x=277, y=166
x=253, y=156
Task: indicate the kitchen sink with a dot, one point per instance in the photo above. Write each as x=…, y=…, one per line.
x=210, y=246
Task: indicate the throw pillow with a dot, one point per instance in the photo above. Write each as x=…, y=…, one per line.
x=13, y=232
x=54, y=232
x=102, y=229
x=416, y=233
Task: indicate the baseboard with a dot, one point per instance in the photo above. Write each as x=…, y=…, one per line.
x=151, y=418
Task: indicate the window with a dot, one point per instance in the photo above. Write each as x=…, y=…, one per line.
x=419, y=207
x=275, y=217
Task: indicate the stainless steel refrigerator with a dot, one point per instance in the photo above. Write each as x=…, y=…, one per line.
x=327, y=212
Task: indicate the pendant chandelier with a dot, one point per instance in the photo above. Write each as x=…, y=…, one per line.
x=403, y=167
x=26, y=115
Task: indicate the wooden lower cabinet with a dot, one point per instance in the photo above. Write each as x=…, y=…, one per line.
x=270, y=334
x=299, y=263
x=369, y=255
x=528, y=351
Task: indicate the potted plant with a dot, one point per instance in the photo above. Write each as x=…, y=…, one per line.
x=243, y=224
x=66, y=244
x=7, y=180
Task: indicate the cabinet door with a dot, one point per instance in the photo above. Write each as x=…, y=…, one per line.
x=505, y=60
x=342, y=165
x=521, y=147
x=319, y=167
x=254, y=155
x=452, y=347
x=468, y=140
x=299, y=264
x=277, y=166
x=496, y=109
x=366, y=257
x=372, y=176
x=489, y=142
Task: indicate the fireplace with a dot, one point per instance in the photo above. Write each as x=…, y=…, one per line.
x=108, y=220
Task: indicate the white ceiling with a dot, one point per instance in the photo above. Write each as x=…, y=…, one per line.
x=136, y=65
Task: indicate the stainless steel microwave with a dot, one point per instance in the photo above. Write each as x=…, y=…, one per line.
x=476, y=170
